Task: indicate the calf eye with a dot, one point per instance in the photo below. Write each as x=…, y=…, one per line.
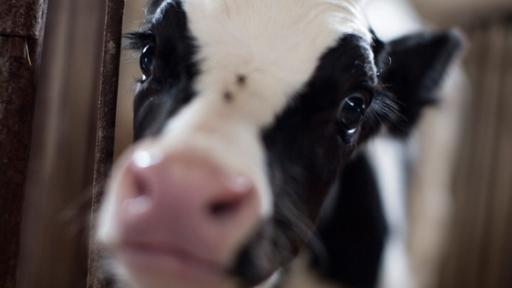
x=350, y=115
x=146, y=61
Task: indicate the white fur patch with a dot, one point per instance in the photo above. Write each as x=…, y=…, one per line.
x=276, y=46
x=392, y=18
x=386, y=156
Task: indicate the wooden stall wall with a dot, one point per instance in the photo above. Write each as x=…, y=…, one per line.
x=66, y=126
x=479, y=250
x=21, y=23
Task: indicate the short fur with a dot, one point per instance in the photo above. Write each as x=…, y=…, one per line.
x=256, y=86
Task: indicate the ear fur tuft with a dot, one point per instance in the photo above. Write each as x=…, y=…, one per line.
x=418, y=64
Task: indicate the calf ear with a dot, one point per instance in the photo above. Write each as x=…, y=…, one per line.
x=417, y=64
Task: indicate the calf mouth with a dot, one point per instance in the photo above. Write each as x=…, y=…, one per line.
x=172, y=261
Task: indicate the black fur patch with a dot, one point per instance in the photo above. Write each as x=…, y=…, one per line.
x=419, y=63
x=170, y=87
x=352, y=229
x=304, y=154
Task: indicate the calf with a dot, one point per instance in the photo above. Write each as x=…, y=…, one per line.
x=250, y=121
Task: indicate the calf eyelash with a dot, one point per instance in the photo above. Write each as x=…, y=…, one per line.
x=139, y=39
x=384, y=108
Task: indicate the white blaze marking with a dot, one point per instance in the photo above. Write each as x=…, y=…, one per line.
x=276, y=45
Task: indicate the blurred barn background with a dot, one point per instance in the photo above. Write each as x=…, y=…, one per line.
x=59, y=96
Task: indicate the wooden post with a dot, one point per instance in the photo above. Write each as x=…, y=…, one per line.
x=479, y=251
x=72, y=143
x=20, y=34
x=105, y=124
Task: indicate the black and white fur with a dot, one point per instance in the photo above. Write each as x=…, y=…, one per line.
x=257, y=86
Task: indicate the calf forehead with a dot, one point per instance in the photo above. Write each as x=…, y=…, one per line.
x=259, y=54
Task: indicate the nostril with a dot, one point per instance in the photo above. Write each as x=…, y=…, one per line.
x=238, y=191
x=138, y=198
x=224, y=208
x=142, y=168
x=141, y=184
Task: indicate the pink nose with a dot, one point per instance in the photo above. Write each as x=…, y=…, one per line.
x=184, y=199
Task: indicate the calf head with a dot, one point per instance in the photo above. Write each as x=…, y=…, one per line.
x=244, y=115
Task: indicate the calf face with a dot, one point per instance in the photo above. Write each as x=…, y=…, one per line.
x=244, y=116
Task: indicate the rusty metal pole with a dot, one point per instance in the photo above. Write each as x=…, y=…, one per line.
x=20, y=34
